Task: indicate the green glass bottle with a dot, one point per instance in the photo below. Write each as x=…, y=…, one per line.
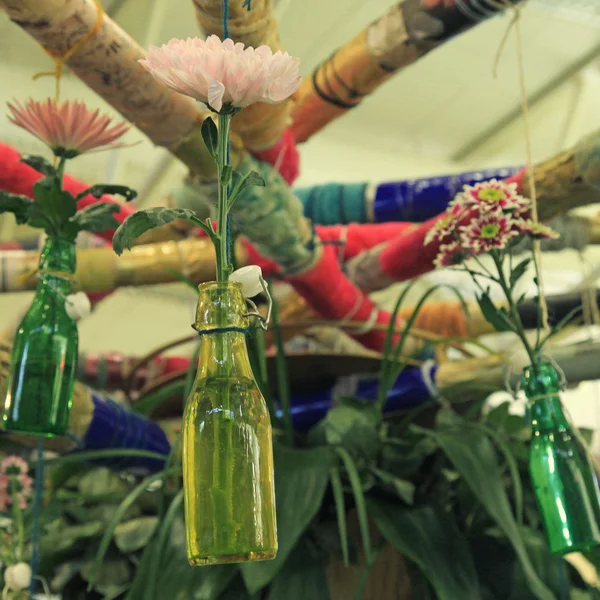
x=227, y=441
x=44, y=354
x=564, y=480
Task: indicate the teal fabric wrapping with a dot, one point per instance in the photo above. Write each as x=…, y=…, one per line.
x=334, y=203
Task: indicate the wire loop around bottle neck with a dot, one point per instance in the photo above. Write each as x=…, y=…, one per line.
x=215, y=330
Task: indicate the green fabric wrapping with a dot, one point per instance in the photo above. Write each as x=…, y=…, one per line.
x=334, y=203
x=272, y=217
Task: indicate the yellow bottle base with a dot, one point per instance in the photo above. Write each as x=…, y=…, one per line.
x=201, y=561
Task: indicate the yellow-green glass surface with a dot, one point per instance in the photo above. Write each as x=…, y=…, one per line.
x=564, y=481
x=44, y=355
x=227, y=442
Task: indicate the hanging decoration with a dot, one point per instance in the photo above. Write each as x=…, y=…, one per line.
x=227, y=447
x=44, y=354
x=489, y=217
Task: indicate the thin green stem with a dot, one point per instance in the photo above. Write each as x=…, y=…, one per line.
x=18, y=516
x=488, y=273
x=221, y=247
x=516, y=318
x=60, y=170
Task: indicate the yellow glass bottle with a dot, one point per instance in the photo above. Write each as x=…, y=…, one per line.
x=227, y=441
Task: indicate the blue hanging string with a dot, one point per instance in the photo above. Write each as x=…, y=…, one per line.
x=37, y=505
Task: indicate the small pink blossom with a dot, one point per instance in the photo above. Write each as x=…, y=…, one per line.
x=13, y=466
x=450, y=255
x=491, y=195
x=537, y=231
x=443, y=227
x=68, y=128
x=488, y=231
x=222, y=73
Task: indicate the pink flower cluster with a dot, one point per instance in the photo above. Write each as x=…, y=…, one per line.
x=483, y=217
x=14, y=470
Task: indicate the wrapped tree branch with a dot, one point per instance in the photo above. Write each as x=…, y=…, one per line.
x=260, y=125
x=105, y=58
x=408, y=31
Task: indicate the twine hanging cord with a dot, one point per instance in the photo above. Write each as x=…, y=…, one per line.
x=60, y=60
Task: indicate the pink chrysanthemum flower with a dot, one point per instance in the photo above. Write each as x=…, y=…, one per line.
x=444, y=226
x=222, y=73
x=68, y=128
x=15, y=483
x=13, y=466
x=537, y=231
x=491, y=195
x=450, y=255
x=489, y=230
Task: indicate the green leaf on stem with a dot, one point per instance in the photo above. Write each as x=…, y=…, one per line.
x=57, y=205
x=210, y=135
x=519, y=271
x=97, y=218
x=36, y=217
x=40, y=164
x=16, y=204
x=497, y=317
x=353, y=429
x=145, y=220
x=241, y=182
x=306, y=470
x=226, y=173
x=340, y=509
x=429, y=538
x=98, y=190
x=474, y=457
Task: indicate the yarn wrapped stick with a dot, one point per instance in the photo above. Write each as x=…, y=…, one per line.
x=101, y=270
x=98, y=423
x=408, y=31
x=77, y=34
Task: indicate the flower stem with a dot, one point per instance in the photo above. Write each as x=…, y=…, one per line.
x=18, y=517
x=60, y=170
x=514, y=313
x=223, y=265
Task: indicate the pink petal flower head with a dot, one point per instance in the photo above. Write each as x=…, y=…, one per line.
x=488, y=231
x=222, y=74
x=443, y=227
x=491, y=195
x=537, y=231
x=68, y=128
x=13, y=466
x=451, y=255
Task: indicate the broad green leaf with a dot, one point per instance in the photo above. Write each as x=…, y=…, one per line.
x=58, y=205
x=210, y=135
x=97, y=218
x=241, y=182
x=16, y=204
x=353, y=429
x=144, y=220
x=100, y=189
x=135, y=534
x=405, y=490
x=176, y=579
x=101, y=481
x=112, y=576
x=301, y=479
x=473, y=455
x=40, y=164
x=495, y=316
x=303, y=577
x=519, y=271
x=428, y=537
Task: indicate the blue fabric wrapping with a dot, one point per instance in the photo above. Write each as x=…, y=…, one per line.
x=334, y=203
x=114, y=426
x=416, y=200
x=413, y=387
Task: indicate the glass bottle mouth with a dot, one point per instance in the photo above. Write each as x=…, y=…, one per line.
x=221, y=306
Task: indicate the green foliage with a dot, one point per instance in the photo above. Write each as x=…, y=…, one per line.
x=98, y=190
x=144, y=220
x=429, y=538
x=241, y=182
x=497, y=317
x=16, y=204
x=210, y=135
x=40, y=164
x=97, y=217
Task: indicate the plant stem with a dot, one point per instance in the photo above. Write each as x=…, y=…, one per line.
x=18, y=517
x=221, y=248
x=60, y=170
x=519, y=329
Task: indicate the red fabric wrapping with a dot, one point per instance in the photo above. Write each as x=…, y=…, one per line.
x=288, y=162
x=18, y=178
x=331, y=294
